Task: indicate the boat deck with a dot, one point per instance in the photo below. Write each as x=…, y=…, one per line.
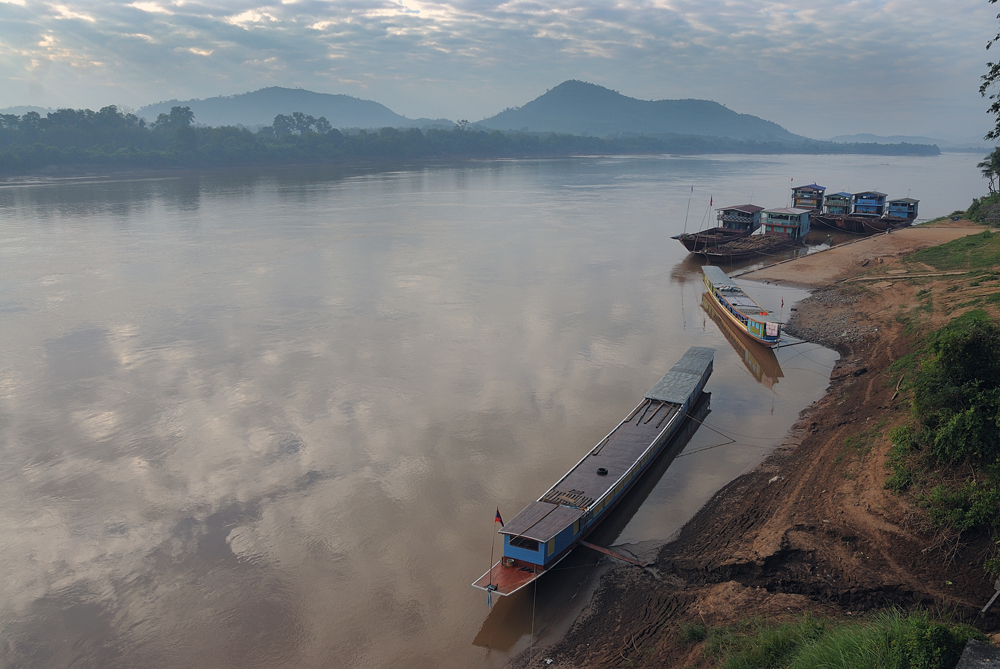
x=508, y=580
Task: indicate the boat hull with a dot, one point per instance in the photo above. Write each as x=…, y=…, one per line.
x=696, y=242
x=730, y=253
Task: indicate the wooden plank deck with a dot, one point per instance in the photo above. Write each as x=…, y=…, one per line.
x=508, y=579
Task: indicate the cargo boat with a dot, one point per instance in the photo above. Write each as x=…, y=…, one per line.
x=546, y=530
x=748, y=316
x=735, y=222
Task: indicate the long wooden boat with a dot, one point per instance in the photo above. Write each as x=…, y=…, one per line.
x=696, y=242
x=750, y=247
x=546, y=530
x=748, y=316
x=759, y=360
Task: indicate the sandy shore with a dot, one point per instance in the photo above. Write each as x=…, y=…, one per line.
x=846, y=260
x=812, y=528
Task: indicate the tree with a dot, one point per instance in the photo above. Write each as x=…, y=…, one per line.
x=178, y=118
x=990, y=79
x=991, y=169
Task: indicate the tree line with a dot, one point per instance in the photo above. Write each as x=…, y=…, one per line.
x=117, y=138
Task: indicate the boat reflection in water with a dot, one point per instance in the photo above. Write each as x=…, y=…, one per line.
x=759, y=360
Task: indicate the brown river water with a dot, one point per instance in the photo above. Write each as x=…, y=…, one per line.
x=265, y=418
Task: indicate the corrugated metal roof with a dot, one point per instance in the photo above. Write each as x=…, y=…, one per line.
x=870, y=192
x=907, y=200
x=745, y=208
x=541, y=521
x=811, y=187
x=717, y=277
x=683, y=378
x=795, y=211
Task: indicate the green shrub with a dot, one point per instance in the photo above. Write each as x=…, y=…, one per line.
x=886, y=640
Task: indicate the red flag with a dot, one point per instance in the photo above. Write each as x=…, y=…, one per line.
x=498, y=519
x=782, y=306
x=710, y=200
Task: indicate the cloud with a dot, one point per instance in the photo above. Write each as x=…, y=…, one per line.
x=801, y=65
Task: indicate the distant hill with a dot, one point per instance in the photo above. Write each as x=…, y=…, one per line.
x=21, y=110
x=579, y=108
x=260, y=107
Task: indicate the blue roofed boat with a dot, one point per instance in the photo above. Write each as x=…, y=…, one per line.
x=734, y=304
x=546, y=530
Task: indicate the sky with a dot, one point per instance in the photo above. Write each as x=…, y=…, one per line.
x=819, y=68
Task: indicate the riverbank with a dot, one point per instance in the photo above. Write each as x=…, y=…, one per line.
x=812, y=528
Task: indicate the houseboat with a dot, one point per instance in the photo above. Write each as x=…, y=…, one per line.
x=546, y=530
x=837, y=204
x=735, y=222
x=783, y=228
x=868, y=203
x=905, y=208
x=748, y=316
x=808, y=197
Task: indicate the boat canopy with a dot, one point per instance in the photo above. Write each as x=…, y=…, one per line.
x=541, y=521
x=683, y=379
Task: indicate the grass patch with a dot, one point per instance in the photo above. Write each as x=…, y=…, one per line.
x=979, y=251
x=887, y=640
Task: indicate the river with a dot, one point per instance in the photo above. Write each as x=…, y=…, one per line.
x=264, y=418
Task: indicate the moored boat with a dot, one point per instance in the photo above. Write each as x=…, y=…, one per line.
x=546, y=530
x=735, y=222
x=742, y=249
x=748, y=316
x=759, y=360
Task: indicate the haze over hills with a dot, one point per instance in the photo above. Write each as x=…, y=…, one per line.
x=974, y=144
x=260, y=107
x=579, y=108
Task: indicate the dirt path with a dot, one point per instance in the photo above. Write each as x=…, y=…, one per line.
x=813, y=527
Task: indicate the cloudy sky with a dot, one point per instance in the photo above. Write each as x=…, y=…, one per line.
x=819, y=68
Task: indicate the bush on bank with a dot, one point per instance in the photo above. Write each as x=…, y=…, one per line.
x=889, y=639
x=948, y=454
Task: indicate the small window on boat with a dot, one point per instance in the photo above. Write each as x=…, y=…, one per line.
x=525, y=543
x=551, y=548
x=576, y=527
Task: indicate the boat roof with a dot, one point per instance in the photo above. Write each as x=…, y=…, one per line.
x=907, y=200
x=677, y=385
x=796, y=211
x=735, y=295
x=870, y=192
x=583, y=486
x=812, y=186
x=717, y=277
x=542, y=520
x=840, y=194
x=746, y=208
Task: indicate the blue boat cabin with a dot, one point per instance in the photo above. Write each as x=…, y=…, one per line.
x=740, y=217
x=808, y=197
x=869, y=203
x=904, y=207
x=789, y=222
x=838, y=204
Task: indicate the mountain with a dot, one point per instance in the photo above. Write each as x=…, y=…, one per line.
x=21, y=110
x=970, y=145
x=260, y=107
x=579, y=108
